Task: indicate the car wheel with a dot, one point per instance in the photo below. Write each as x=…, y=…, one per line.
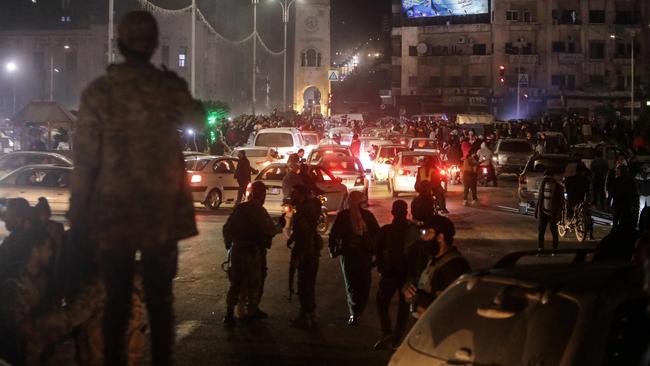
x=213, y=201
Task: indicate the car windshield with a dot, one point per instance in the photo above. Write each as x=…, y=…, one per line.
x=423, y=144
x=556, y=165
x=514, y=334
x=274, y=173
x=275, y=139
x=254, y=153
x=390, y=152
x=584, y=152
x=411, y=160
x=516, y=146
x=310, y=139
x=341, y=166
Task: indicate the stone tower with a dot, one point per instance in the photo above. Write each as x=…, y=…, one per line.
x=312, y=56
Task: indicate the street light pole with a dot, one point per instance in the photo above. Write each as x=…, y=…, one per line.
x=11, y=68
x=254, y=99
x=632, y=84
x=51, y=77
x=286, y=8
x=193, y=52
x=111, y=31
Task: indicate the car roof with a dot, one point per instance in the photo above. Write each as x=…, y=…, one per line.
x=392, y=146
x=29, y=152
x=279, y=129
x=552, y=156
x=420, y=152
x=339, y=158
x=330, y=147
x=266, y=148
x=42, y=166
x=572, y=277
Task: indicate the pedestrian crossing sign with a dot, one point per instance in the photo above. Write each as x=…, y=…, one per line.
x=333, y=75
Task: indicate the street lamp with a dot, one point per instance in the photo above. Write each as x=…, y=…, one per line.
x=54, y=69
x=254, y=98
x=193, y=134
x=286, y=8
x=12, y=68
x=632, y=37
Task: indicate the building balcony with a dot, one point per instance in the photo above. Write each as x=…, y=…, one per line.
x=455, y=60
x=571, y=58
x=523, y=59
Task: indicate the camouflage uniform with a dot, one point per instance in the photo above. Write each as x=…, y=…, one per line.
x=129, y=190
x=23, y=295
x=247, y=234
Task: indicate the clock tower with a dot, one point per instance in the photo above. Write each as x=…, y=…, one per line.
x=312, y=56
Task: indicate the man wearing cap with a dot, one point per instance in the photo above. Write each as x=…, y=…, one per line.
x=247, y=234
x=442, y=266
x=129, y=190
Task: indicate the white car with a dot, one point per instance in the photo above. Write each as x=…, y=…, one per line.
x=404, y=171
x=385, y=157
x=286, y=141
x=18, y=159
x=212, y=180
x=272, y=176
x=33, y=181
x=350, y=170
x=260, y=157
x=317, y=154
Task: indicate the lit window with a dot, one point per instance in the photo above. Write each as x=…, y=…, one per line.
x=181, y=60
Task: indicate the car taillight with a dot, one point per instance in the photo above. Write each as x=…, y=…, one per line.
x=359, y=181
x=522, y=179
x=443, y=172
x=404, y=172
x=196, y=178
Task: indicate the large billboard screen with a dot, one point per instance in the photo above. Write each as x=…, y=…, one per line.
x=443, y=8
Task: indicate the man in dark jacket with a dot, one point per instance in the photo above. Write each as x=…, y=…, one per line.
x=422, y=204
x=243, y=175
x=305, y=245
x=441, y=267
x=599, y=170
x=549, y=207
x=624, y=198
x=247, y=234
x=392, y=266
x=126, y=134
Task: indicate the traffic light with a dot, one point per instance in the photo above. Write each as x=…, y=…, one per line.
x=502, y=74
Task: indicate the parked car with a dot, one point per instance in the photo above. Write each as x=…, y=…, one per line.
x=317, y=154
x=385, y=157
x=286, y=141
x=558, y=313
x=533, y=174
x=511, y=155
x=33, y=181
x=403, y=173
x=18, y=159
x=350, y=170
x=212, y=180
x=259, y=157
x=272, y=176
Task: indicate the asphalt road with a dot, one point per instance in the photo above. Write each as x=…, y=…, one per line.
x=485, y=232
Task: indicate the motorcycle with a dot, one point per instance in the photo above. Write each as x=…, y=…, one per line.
x=323, y=218
x=580, y=223
x=453, y=172
x=483, y=175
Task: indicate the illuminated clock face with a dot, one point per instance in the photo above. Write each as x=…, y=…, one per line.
x=311, y=23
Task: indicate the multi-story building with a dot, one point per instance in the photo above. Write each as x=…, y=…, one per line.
x=536, y=56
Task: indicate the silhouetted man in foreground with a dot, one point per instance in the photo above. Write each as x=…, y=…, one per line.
x=129, y=191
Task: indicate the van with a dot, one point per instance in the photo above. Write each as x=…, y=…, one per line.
x=286, y=141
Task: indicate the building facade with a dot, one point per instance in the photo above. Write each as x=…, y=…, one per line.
x=524, y=58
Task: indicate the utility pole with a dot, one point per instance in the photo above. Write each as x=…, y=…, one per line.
x=193, y=52
x=286, y=8
x=111, y=31
x=632, y=83
x=254, y=99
